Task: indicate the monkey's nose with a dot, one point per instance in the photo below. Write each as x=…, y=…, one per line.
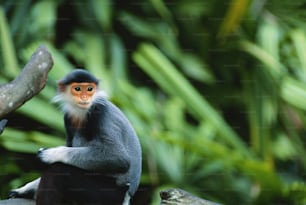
x=84, y=97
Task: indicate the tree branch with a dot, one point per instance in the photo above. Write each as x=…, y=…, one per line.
x=17, y=202
x=180, y=197
x=28, y=83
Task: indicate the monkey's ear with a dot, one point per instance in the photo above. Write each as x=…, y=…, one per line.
x=61, y=86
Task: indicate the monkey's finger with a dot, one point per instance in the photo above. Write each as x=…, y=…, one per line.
x=39, y=154
x=12, y=194
x=2, y=125
x=41, y=150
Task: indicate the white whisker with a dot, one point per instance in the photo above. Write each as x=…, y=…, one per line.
x=67, y=106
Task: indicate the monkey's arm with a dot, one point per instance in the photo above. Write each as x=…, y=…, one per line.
x=108, y=158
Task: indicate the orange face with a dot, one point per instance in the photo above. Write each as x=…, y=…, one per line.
x=82, y=94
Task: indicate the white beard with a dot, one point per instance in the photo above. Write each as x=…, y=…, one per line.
x=64, y=99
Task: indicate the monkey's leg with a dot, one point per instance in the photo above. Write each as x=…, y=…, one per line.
x=65, y=184
x=27, y=191
x=51, y=186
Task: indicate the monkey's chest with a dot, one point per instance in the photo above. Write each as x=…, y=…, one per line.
x=79, y=141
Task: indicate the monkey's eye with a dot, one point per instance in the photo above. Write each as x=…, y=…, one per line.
x=77, y=89
x=89, y=89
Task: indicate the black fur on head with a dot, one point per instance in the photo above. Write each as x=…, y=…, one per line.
x=79, y=76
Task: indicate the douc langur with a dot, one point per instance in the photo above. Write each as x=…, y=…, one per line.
x=101, y=162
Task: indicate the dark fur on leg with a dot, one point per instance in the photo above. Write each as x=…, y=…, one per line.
x=61, y=183
x=27, y=195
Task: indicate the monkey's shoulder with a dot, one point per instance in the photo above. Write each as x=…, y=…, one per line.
x=104, y=107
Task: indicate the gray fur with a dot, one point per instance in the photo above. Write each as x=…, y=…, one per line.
x=114, y=148
x=107, y=144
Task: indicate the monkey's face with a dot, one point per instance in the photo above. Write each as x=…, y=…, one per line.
x=82, y=94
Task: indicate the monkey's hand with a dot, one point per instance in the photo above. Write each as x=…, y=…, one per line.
x=52, y=155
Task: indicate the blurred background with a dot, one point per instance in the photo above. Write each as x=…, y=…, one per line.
x=215, y=89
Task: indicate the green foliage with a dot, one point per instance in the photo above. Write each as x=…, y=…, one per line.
x=219, y=106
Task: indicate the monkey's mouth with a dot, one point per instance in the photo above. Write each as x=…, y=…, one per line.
x=84, y=104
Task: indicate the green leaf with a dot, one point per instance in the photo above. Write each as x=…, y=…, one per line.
x=118, y=62
x=23, y=147
x=283, y=147
x=139, y=27
x=7, y=47
x=269, y=36
x=28, y=142
x=195, y=68
x=43, y=112
x=152, y=61
x=272, y=66
x=104, y=16
x=294, y=92
x=42, y=23
x=299, y=42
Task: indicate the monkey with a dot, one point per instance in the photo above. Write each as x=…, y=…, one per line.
x=101, y=162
